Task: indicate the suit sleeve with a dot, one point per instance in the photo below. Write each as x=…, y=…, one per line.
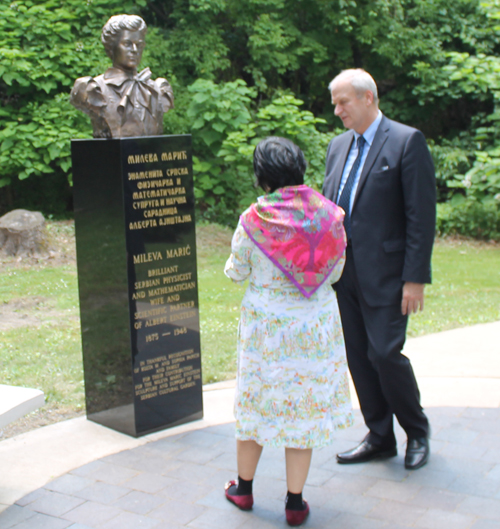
x=325, y=183
x=328, y=183
x=419, y=191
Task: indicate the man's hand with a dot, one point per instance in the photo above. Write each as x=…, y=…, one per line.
x=413, y=298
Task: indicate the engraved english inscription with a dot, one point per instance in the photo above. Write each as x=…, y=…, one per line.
x=163, y=286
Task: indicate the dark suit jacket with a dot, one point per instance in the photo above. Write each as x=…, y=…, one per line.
x=394, y=211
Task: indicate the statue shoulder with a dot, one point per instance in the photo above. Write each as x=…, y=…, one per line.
x=87, y=93
x=165, y=92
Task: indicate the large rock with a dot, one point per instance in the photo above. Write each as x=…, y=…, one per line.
x=22, y=234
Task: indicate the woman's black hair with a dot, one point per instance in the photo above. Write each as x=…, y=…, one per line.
x=278, y=162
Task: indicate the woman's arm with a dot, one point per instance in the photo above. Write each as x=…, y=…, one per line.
x=238, y=266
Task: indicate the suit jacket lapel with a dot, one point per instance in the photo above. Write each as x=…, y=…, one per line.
x=343, y=153
x=378, y=142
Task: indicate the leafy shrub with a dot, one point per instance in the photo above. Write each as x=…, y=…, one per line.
x=281, y=117
x=470, y=218
x=38, y=140
x=483, y=180
x=226, y=129
x=446, y=61
x=45, y=46
x=452, y=159
x=215, y=112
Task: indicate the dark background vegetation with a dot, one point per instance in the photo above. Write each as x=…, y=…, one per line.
x=244, y=70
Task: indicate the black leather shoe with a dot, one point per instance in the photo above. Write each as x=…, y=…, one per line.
x=365, y=452
x=417, y=453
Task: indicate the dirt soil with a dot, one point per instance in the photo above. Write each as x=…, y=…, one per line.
x=27, y=312
x=49, y=414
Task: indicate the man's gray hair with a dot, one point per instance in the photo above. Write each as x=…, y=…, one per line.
x=113, y=28
x=359, y=79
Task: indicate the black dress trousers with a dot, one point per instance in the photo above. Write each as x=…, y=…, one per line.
x=383, y=377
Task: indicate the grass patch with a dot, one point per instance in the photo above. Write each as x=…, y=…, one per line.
x=42, y=349
x=465, y=289
x=47, y=357
x=220, y=301
x=59, y=285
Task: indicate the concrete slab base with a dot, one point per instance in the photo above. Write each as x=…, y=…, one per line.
x=16, y=402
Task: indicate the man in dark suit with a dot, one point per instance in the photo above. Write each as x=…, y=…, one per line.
x=381, y=173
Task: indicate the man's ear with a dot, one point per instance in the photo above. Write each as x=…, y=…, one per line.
x=369, y=97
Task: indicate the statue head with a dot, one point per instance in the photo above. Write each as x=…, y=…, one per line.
x=123, y=37
x=116, y=100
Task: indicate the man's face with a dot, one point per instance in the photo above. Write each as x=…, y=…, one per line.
x=352, y=110
x=128, y=51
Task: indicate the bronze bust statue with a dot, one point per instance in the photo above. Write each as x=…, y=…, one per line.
x=122, y=102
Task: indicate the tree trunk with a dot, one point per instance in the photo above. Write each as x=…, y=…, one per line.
x=22, y=234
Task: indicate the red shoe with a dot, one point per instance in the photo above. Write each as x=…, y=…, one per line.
x=244, y=503
x=297, y=517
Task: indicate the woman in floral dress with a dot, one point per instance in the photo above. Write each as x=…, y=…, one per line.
x=292, y=385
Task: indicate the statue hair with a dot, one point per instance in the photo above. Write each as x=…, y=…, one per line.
x=359, y=79
x=278, y=162
x=115, y=26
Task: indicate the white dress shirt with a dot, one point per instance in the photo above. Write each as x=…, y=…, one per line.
x=368, y=135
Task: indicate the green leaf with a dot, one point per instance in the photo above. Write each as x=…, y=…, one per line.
x=201, y=97
x=6, y=144
x=220, y=127
x=198, y=123
x=210, y=136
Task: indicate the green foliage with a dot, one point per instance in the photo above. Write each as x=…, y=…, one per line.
x=483, y=180
x=216, y=111
x=477, y=166
x=299, y=45
x=226, y=131
x=39, y=140
x=436, y=64
x=452, y=159
x=44, y=47
x=194, y=43
x=470, y=218
x=430, y=32
x=481, y=74
x=281, y=117
x=176, y=121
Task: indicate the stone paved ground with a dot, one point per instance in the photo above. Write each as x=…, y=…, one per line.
x=178, y=482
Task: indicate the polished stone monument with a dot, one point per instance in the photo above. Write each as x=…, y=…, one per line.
x=136, y=251
x=136, y=247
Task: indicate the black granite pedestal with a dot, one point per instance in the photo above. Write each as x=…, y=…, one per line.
x=136, y=253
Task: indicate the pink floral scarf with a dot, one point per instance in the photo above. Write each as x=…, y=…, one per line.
x=300, y=231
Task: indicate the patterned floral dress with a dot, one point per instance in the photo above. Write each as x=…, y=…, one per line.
x=292, y=384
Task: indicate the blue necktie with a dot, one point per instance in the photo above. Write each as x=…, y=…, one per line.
x=345, y=198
